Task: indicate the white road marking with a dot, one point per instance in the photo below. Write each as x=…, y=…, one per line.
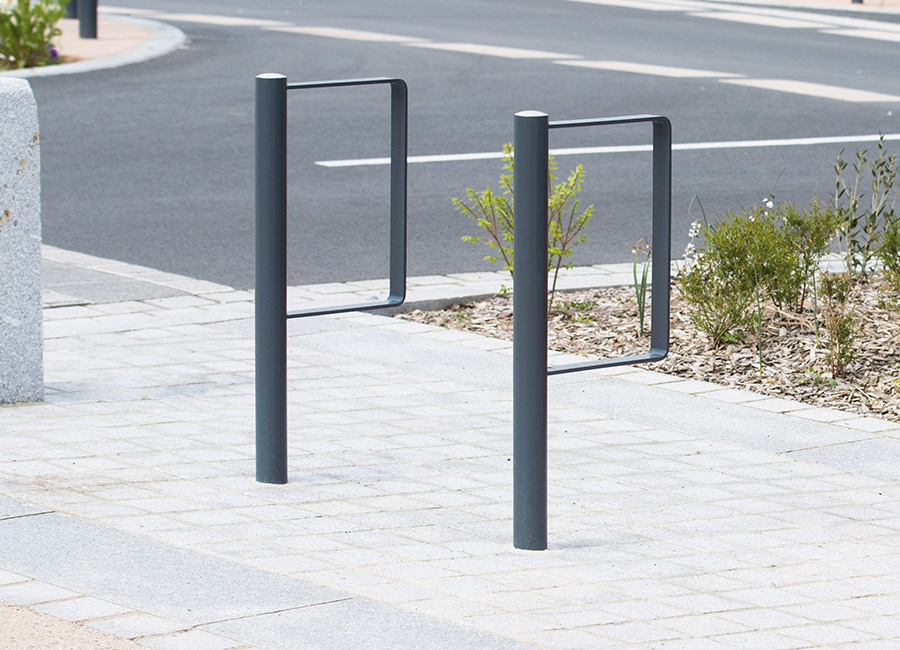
x=758, y=19
x=644, y=68
x=579, y=151
x=814, y=90
x=495, y=50
x=866, y=33
x=227, y=21
x=125, y=11
x=637, y=4
x=348, y=34
x=451, y=157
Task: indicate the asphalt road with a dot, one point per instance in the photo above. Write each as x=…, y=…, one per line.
x=153, y=163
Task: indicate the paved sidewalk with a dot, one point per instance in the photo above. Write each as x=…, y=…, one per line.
x=682, y=514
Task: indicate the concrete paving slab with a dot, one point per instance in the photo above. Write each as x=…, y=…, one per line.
x=176, y=589
x=92, y=286
x=665, y=507
x=879, y=457
x=357, y=623
x=140, y=573
x=11, y=509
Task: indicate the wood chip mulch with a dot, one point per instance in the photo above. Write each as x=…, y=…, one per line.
x=600, y=323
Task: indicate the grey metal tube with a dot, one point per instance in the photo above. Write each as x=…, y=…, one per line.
x=662, y=238
x=271, y=278
x=397, y=255
x=87, y=18
x=530, y=149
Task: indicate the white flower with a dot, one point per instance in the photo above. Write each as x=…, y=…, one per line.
x=695, y=229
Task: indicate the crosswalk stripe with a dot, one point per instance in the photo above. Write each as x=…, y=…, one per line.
x=646, y=5
x=873, y=34
x=759, y=19
x=348, y=34
x=226, y=21
x=814, y=90
x=495, y=50
x=644, y=68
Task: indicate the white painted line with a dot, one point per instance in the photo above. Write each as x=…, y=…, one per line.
x=495, y=50
x=227, y=21
x=758, y=19
x=573, y=151
x=866, y=33
x=644, y=68
x=788, y=142
x=814, y=90
x=637, y=4
x=123, y=11
x=348, y=34
x=452, y=157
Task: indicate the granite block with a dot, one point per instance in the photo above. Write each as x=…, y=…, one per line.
x=21, y=341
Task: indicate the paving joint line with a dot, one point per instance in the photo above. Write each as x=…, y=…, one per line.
x=275, y=611
x=30, y=514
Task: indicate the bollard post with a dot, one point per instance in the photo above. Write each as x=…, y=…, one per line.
x=72, y=9
x=530, y=150
x=271, y=278
x=87, y=18
x=21, y=313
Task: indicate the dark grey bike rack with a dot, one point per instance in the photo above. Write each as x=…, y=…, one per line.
x=271, y=255
x=530, y=371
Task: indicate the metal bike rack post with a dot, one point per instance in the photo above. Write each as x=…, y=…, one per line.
x=271, y=311
x=271, y=278
x=530, y=144
x=530, y=371
x=87, y=18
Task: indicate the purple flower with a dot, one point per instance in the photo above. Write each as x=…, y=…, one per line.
x=54, y=55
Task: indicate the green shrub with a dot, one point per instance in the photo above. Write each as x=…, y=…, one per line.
x=27, y=32
x=839, y=323
x=769, y=252
x=808, y=234
x=862, y=221
x=888, y=251
x=494, y=215
x=717, y=281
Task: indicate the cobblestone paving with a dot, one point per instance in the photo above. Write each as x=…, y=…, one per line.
x=400, y=486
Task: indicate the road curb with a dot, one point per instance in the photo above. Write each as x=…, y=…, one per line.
x=163, y=40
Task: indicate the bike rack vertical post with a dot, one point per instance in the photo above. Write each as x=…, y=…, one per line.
x=531, y=141
x=271, y=278
x=87, y=18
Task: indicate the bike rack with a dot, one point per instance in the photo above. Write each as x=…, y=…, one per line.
x=530, y=371
x=271, y=313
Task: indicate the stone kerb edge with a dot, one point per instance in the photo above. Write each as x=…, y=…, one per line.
x=21, y=322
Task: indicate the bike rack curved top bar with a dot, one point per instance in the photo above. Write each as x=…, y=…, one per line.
x=397, y=270
x=661, y=241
